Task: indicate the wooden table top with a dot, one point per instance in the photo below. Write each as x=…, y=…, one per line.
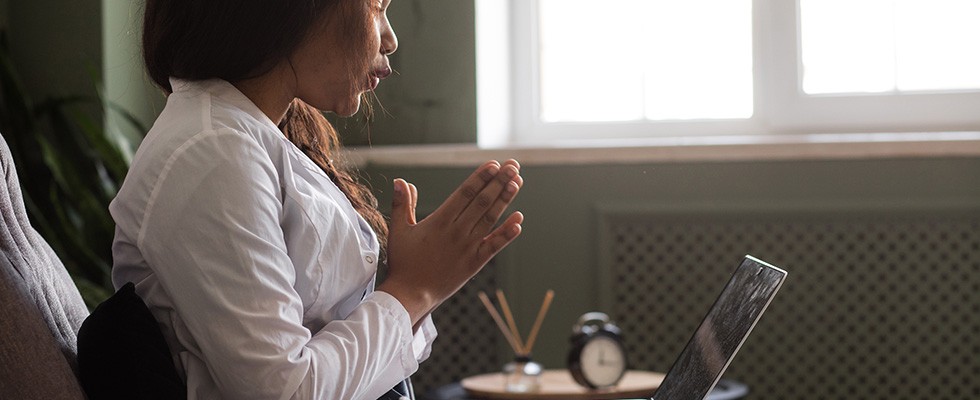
x=558, y=384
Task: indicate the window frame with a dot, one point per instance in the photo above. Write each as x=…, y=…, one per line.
x=778, y=108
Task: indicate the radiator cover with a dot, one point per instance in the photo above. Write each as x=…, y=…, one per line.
x=877, y=305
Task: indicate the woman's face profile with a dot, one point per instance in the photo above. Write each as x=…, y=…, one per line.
x=344, y=56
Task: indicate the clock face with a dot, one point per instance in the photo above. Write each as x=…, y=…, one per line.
x=603, y=361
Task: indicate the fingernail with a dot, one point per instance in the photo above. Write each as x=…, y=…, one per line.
x=512, y=187
x=398, y=188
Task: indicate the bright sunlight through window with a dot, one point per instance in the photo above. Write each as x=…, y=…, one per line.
x=570, y=70
x=877, y=46
x=635, y=60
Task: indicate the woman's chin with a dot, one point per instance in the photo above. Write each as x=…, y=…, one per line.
x=347, y=110
x=340, y=108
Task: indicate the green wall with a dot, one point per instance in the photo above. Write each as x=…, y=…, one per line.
x=3, y=14
x=56, y=45
x=63, y=47
x=126, y=84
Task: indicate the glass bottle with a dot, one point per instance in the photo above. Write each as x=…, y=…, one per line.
x=522, y=375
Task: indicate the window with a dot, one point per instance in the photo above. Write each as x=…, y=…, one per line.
x=889, y=46
x=613, y=70
x=647, y=68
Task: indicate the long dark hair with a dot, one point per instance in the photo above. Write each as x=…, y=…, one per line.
x=235, y=40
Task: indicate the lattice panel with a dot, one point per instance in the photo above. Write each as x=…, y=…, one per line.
x=875, y=307
x=464, y=347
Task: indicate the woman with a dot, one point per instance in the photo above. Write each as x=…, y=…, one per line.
x=255, y=253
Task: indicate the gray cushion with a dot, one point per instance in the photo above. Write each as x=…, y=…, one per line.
x=31, y=365
x=45, y=276
x=36, y=289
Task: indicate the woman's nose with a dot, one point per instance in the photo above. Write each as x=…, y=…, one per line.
x=389, y=42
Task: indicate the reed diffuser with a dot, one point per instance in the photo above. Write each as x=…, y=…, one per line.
x=522, y=375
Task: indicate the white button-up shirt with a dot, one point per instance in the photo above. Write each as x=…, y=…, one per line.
x=255, y=265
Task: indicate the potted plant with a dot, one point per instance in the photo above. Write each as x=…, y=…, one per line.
x=70, y=165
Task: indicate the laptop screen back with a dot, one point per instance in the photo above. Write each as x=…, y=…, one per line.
x=722, y=331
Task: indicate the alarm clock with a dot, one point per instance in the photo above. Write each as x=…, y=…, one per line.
x=597, y=358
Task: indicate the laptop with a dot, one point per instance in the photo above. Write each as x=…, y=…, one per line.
x=722, y=332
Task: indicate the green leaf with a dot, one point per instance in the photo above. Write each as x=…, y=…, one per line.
x=93, y=293
x=71, y=165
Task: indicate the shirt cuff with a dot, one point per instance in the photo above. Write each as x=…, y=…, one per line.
x=426, y=334
x=422, y=341
x=403, y=325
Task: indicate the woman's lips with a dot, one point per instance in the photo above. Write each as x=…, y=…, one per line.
x=377, y=75
x=382, y=72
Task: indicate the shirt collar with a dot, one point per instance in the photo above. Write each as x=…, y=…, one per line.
x=224, y=90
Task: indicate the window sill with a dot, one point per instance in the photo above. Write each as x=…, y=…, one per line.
x=683, y=149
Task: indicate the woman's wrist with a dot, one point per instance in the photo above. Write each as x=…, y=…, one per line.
x=416, y=302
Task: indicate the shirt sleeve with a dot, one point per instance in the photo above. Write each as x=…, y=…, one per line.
x=422, y=343
x=211, y=234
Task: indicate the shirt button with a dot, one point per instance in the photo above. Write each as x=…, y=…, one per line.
x=369, y=259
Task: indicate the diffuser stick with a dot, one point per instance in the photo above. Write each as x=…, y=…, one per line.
x=537, y=322
x=510, y=322
x=500, y=323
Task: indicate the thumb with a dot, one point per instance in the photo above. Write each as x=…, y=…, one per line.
x=401, y=203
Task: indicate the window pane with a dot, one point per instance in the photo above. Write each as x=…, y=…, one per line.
x=645, y=59
x=938, y=44
x=699, y=59
x=588, y=59
x=855, y=46
x=848, y=46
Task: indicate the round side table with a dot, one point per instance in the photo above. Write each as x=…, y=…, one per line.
x=726, y=389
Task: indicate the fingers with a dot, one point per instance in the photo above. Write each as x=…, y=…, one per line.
x=469, y=189
x=483, y=212
x=403, y=203
x=485, y=223
x=415, y=201
x=500, y=237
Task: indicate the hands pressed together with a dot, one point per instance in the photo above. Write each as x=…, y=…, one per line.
x=429, y=260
